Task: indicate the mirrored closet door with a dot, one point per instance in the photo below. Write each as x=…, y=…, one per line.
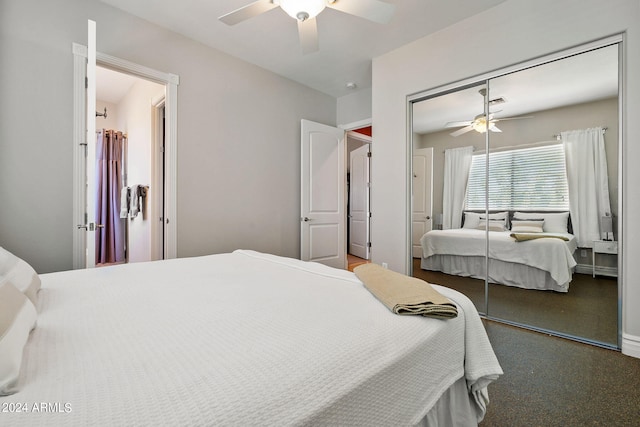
x=449, y=246
x=525, y=215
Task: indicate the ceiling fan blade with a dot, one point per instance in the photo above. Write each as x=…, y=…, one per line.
x=461, y=131
x=248, y=11
x=308, y=33
x=494, y=128
x=457, y=124
x=373, y=10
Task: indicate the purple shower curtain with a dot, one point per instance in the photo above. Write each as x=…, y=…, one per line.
x=110, y=239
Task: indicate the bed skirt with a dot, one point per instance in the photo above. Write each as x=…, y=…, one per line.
x=453, y=408
x=500, y=272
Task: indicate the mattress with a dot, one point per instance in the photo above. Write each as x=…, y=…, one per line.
x=240, y=339
x=551, y=255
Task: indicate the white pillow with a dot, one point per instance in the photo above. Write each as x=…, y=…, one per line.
x=471, y=220
x=21, y=274
x=527, y=226
x=494, y=225
x=556, y=222
x=17, y=318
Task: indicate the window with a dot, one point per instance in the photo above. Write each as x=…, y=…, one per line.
x=522, y=179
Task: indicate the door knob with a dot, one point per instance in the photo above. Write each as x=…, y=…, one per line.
x=90, y=227
x=428, y=217
x=305, y=219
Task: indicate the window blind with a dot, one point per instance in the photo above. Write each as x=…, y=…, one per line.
x=522, y=179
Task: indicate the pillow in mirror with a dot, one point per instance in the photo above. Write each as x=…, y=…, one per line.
x=494, y=225
x=472, y=219
x=554, y=222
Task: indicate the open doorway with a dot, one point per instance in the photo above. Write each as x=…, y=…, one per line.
x=324, y=189
x=130, y=108
x=358, y=196
x=85, y=59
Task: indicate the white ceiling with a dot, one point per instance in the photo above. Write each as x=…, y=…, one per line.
x=347, y=43
x=111, y=85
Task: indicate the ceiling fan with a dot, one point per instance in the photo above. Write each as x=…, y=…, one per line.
x=305, y=12
x=480, y=123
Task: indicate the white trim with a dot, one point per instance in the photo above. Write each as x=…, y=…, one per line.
x=356, y=125
x=171, y=171
x=138, y=70
x=359, y=136
x=601, y=271
x=171, y=82
x=631, y=345
x=158, y=229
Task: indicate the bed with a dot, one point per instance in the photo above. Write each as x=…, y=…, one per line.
x=244, y=338
x=545, y=262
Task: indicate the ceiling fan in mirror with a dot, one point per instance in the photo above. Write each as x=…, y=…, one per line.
x=305, y=12
x=480, y=123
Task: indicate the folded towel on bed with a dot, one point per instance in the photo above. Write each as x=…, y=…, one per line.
x=403, y=294
x=523, y=237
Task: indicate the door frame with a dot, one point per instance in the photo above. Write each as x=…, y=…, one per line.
x=349, y=129
x=366, y=140
x=158, y=246
x=171, y=82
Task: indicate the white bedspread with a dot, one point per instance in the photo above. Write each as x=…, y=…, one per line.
x=552, y=254
x=239, y=339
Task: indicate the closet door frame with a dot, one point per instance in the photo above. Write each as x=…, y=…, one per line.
x=617, y=39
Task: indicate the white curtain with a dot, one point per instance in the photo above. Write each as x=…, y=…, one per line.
x=588, y=182
x=457, y=163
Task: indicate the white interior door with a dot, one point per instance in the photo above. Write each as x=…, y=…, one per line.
x=323, y=199
x=89, y=225
x=422, y=216
x=359, y=207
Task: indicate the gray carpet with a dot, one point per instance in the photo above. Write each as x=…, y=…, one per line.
x=588, y=310
x=551, y=381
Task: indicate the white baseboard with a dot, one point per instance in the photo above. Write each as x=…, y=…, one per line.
x=584, y=269
x=631, y=345
x=603, y=271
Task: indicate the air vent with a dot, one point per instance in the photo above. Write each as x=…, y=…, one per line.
x=497, y=101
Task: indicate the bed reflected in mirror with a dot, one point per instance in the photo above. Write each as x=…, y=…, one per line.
x=443, y=147
x=548, y=223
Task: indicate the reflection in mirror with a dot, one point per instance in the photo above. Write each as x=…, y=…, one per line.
x=448, y=248
x=555, y=174
x=546, y=123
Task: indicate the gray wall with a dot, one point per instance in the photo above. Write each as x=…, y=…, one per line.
x=355, y=107
x=238, y=133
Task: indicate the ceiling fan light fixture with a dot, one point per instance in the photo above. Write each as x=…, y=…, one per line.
x=479, y=124
x=302, y=9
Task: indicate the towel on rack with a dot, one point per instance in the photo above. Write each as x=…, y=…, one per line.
x=141, y=196
x=124, y=202
x=137, y=195
x=134, y=208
